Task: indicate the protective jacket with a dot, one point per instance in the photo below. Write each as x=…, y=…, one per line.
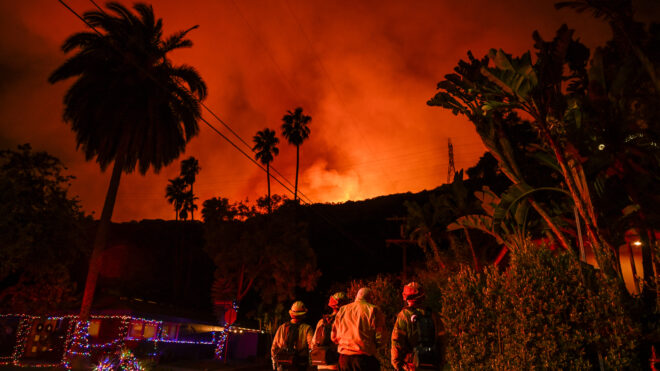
x=302, y=344
x=320, y=339
x=317, y=339
x=358, y=328
x=406, y=336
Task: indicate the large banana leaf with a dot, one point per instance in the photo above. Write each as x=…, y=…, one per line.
x=514, y=195
x=515, y=76
x=483, y=223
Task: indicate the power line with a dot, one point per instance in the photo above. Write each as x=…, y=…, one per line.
x=280, y=73
x=330, y=222
x=201, y=103
x=214, y=114
x=248, y=146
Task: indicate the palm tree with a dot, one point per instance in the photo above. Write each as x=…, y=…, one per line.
x=176, y=194
x=129, y=104
x=189, y=205
x=265, y=146
x=189, y=170
x=295, y=130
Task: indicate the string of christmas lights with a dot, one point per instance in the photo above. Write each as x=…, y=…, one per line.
x=194, y=342
x=123, y=359
x=80, y=340
x=159, y=335
x=77, y=340
x=24, y=325
x=224, y=336
x=67, y=344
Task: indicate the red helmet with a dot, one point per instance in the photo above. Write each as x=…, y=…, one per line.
x=413, y=291
x=337, y=300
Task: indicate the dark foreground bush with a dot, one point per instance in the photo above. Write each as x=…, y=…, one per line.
x=546, y=311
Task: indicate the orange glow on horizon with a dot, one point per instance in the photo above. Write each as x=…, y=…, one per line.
x=363, y=71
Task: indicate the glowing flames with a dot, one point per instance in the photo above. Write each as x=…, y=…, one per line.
x=330, y=185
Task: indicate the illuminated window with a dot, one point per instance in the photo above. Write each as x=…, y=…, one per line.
x=169, y=331
x=94, y=326
x=149, y=331
x=136, y=329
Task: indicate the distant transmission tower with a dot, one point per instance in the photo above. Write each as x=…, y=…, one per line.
x=451, y=169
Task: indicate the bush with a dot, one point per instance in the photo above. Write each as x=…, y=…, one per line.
x=546, y=311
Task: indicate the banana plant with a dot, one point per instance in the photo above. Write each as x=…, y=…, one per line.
x=499, y=86
x=426, y=224
x=470, y=93
x=510, y=235
x=505, y=217
x=538, y=93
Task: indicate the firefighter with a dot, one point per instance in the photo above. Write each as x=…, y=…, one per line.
x=324, y=352
x=292, y=341
x=357, y=331
x=417, y=334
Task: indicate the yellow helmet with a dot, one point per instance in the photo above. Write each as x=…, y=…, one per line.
x=298, y=309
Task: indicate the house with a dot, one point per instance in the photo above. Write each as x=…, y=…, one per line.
x=28, y=340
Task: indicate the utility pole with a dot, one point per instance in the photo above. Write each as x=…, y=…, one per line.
x=403, y=242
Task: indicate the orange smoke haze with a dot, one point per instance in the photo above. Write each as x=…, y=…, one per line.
x=362, y=69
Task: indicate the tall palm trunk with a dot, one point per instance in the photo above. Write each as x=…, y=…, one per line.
x=270, y=206
x=192, y=209
x=295, y=193
x=100, y=241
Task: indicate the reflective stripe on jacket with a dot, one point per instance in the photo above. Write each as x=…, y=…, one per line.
x=358, y=328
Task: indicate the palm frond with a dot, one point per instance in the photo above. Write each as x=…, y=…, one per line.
x=191, y=77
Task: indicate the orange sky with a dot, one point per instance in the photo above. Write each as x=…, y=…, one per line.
x=362, y=69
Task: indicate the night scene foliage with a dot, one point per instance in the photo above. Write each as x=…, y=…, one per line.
x=43, y=230
x=573, y=160
x=575, y=132
x=266, y=253
x=547, y=311
x=129, y=104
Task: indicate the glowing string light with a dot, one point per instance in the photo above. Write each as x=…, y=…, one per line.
x=77, y=338
x=224, y=337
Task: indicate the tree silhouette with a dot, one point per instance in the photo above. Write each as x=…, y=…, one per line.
x=217, y=209
x=43, y=232
x=176, y=194
x=129, y=104
x=265, y=145
x=189, y=170
x=188, y=206
x=295, y=130
x=269, y=255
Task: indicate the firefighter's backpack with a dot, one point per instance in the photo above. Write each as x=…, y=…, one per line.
x=287, y=356
x=324, y=351
x=425, y=353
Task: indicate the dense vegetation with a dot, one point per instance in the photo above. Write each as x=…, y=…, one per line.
x=573, y=166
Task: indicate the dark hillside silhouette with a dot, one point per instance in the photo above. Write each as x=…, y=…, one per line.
x=348, y=239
